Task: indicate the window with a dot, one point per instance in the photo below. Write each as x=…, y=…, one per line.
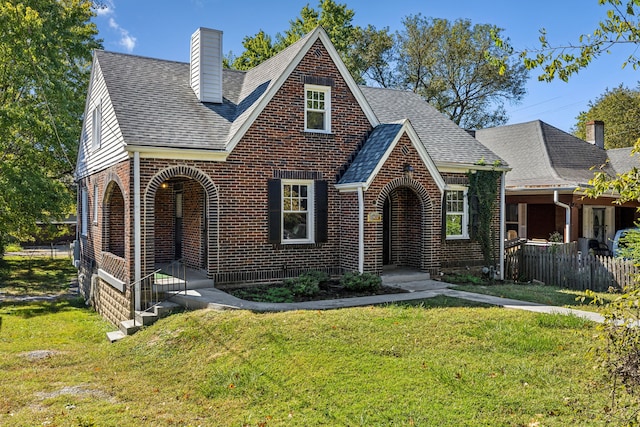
x=457, y=219
x=317, y=109
x=297, y=211
x=96, y=129
x=84, y=210
x=95, y=204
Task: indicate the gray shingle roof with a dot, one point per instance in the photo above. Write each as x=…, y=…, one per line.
x=542, y=155
x=371, y=153
x=443, y=139
x=155, y=106
x=622, y=160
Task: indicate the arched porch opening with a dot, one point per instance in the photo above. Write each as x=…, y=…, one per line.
x=181, y=220
x=407, y=225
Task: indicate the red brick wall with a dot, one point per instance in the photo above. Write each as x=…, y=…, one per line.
x=419, y=210
x=193, y=206
x=112, y=228
x=276, y=146
x=164, y=226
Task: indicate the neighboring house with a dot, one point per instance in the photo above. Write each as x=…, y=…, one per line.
x=549, y=167
x=259, y=175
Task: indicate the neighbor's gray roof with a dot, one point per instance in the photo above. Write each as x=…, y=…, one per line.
x=371, y=153
x=542, y=156
x=155, y=106
x=622, y=160
x=444, y=140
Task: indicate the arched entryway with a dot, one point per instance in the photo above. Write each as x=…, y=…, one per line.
x=407, y=226
x=181, y=220
x=113, y=231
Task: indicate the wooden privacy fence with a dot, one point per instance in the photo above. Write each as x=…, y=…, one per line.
x=562, y=265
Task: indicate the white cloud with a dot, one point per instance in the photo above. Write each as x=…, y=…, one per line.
x=106, y=9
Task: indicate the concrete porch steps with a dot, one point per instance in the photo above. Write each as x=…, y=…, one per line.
x=142, y=318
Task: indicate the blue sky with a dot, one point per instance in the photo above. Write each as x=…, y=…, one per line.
x=162, y=29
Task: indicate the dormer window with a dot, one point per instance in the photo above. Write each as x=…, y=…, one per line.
x=96, y=127
x=317, y=109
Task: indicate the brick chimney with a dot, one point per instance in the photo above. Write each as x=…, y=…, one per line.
x=206, y=65
x=595, y=133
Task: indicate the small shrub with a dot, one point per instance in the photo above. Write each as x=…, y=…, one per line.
x=307, y=284
x=355, y=281
x=278, y=294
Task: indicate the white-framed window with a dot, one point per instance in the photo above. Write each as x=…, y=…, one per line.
x=297, y=211
x=317, y=108
x=84, y=211
x=95, y=204
x=457, y=213
x=96, y=127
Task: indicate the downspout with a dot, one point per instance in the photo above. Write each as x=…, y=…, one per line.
x=360, y=230
x=502, y=223
x=137, y=254
x=567, y=219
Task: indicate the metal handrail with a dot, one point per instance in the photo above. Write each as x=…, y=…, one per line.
x=151, y=292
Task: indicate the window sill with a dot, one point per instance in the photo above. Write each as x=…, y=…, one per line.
x=454, y=238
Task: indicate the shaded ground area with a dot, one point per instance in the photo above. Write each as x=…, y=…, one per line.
x=28, y=278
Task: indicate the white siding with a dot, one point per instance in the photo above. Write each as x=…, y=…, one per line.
x=206, y=65
x=111, y=150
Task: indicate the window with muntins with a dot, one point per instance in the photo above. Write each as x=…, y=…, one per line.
x=317, y=108
x=96, y=129
x=457, y=219
x=297, y=211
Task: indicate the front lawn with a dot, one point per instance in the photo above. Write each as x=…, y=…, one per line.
x=397, y=364
x=542, y=294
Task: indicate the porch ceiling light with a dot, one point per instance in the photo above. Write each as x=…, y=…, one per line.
x=408, y=171
x=164, y=185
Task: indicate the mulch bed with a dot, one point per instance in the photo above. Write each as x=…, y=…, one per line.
x=330, y=290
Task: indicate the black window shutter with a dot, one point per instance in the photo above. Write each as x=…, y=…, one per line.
x=322, y=211
x=274, y=197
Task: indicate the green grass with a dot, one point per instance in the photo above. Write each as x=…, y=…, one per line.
x=543, y=294
x=35, y=276
x=424, y=364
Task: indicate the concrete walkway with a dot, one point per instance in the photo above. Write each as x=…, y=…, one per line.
x=424, y=288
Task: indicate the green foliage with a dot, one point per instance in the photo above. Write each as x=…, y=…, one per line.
x=619, y=108
x=365, y=282
x=620, y=354
x=466, y=278
x=333, y=17
x=618, y=27
x=447, y=63
x=483, y=197
x=307, y=284
x=45, y=51
x=274, y=294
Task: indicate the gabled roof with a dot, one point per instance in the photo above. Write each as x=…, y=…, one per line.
x=444, y=140
x=377, y=149
x=543, y=156
x=156, y=108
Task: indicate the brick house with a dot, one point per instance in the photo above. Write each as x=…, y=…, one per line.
x=259, y=175
x=549, y=169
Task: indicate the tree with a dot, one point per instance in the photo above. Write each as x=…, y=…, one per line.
x=45, y=51
x=334, y=18
x=372, y=55
x=619, y=27
x=620, y=110
x=447, y=64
